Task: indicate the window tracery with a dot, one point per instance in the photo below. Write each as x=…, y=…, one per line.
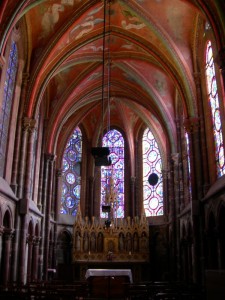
x=71, y=178
x=114, y=174
x=215, y=109
x=8, y=93
x=152, y=164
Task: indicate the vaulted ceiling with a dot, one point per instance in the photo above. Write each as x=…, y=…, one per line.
x=151, y=62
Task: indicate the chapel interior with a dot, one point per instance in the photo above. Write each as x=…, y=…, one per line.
x=112, y=129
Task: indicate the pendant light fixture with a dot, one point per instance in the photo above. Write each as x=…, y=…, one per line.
x=101, y=154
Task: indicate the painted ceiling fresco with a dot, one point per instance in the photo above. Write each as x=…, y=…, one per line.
x=149, y=45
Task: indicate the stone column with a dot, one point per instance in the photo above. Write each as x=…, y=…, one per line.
x=59, y=192
x=29, y=161
x=175, y=211
x=7, y=236
x=17, y=154
x=44, y=202
x=50, y=162
x=134, y=208
x=34, y=275
x=40, y=187
x=200, y=124
x=22, y=159
x=22, y=249
x=15, y=245
x=25, y=188
x=90, y=205
x=30, y=240
x=193, y=126
x=1, y=237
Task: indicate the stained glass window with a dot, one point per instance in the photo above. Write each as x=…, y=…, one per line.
x=8, y=93
x=113, y=176
x=71, y=177
x=215, y=110
x=152, y=168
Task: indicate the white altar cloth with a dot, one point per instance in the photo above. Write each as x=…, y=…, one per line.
x=109, y=272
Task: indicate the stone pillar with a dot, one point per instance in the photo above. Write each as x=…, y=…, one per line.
x=193, y=126
x=22, y=249
x=200, y=124
x=134, y=208
x=90, y=207
x=40, y=187
x=54, y=200
x=34, y=275
x=22, y=159
x=59, y=192
x=175, y=212
x=49, y=165
x=1, y=237
x=29, y=161
x=16, y=158
x=44, y=202
x=7, y=236
x=30, y=241
x=25, y=187
x=15, y=245
x=166, y=192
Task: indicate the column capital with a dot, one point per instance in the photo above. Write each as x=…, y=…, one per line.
x=30, y=239
x=28, y=124
x=197, y=77
x=50, y=157
x=175, y=158
x=59, y=172
x=36, y=240
x=25, y=77
x=8, y=233
x=192, y=124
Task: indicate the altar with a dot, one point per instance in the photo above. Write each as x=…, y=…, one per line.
x=109, y=273
x=122, y=245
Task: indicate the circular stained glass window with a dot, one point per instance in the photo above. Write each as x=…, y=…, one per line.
x=70, y=178
x=69, y=202
x=72, y=155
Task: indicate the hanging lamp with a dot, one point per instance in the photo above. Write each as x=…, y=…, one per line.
x=101, y=154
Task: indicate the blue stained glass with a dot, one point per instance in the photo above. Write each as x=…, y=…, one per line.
x=215, y=110
x=152, y=194
x=70, y=178
x=72, y=155
x=114, y=140
x=71, y=174
x=9, y=87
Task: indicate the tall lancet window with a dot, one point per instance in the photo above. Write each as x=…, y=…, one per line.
x=71, y=174
x=112, y=177
x=215, y=109
x=152, y=176
x=9, y=87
